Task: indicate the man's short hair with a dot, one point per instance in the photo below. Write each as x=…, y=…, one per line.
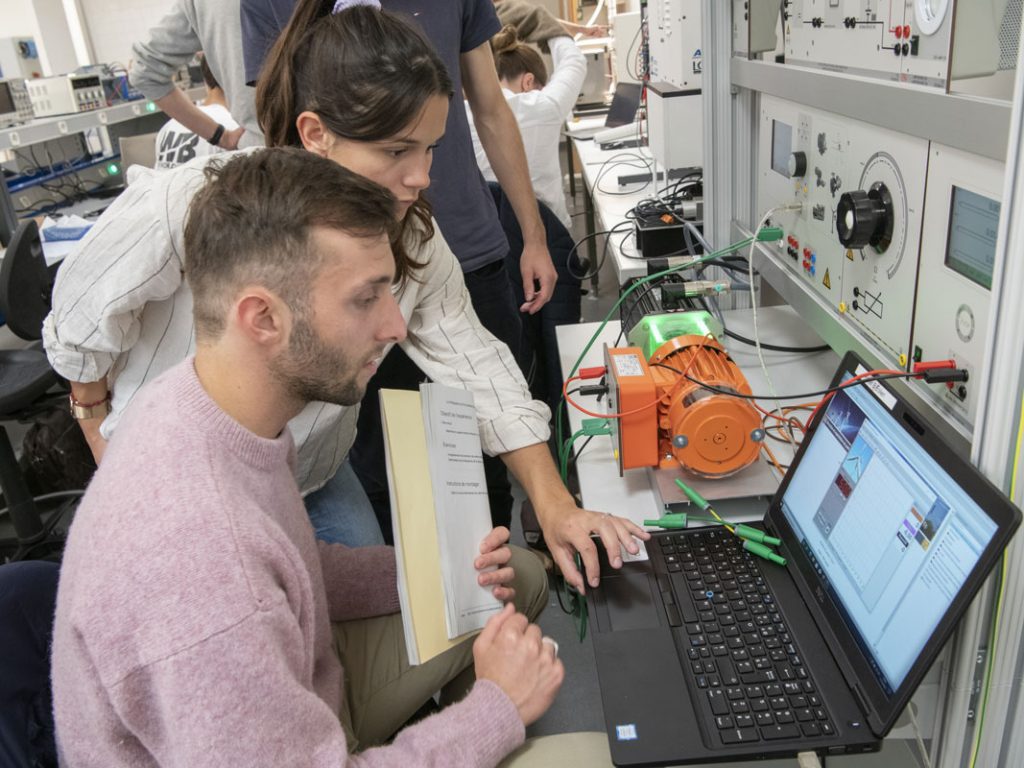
x=252, y=223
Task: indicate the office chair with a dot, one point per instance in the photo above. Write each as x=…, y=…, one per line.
x=28, y=526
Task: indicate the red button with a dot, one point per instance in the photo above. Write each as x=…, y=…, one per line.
x=906, y=31
x=899, y=32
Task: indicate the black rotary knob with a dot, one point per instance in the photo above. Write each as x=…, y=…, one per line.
x=865, y=218
x=797, y=165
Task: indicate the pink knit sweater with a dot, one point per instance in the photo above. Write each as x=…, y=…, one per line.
x=193, y=617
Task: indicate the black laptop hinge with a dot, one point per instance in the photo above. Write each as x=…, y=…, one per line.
x=862, y=702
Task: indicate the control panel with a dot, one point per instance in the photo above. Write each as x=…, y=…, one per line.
x=901, y=40
x=15, y=104
x=673, y=39
x=958, y=244
x=66, y=94
x=855, y=241
x=740, y=36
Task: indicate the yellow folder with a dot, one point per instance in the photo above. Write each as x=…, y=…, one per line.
x=420, y=585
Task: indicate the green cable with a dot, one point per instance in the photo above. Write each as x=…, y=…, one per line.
x=563, y=454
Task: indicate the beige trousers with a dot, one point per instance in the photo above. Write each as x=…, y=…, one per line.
x=382, y=691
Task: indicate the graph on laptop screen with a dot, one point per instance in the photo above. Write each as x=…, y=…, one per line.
x=892, y=535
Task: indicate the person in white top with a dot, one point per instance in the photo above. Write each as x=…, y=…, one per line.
x=176, y=144
x=540, y=104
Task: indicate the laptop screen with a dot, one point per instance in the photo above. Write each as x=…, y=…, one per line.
x=891, y=535
x=624, y=105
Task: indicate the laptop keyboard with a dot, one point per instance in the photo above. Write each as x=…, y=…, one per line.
x=746, y=667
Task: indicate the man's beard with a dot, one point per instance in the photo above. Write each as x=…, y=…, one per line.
x=311, y=370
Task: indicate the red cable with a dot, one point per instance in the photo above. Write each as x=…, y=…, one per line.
x=578, y=407
x=848, y=382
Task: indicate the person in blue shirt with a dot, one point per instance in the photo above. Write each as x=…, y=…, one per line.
x=460, y=32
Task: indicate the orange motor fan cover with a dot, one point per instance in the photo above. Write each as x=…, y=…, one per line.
x=709, y=433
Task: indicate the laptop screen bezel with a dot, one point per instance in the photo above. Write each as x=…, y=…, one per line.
x=625, y=99
x=882, y=708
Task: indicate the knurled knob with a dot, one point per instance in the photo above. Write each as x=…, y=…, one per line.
x=865, y=218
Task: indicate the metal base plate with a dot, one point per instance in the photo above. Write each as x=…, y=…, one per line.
x=743, y=495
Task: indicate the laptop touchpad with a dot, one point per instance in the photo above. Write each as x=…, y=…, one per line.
x=630, y=601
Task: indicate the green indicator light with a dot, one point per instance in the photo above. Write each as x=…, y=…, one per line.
x=112, y=169
x=150, y=106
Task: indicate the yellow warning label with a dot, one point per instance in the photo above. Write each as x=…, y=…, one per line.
x=827, y=281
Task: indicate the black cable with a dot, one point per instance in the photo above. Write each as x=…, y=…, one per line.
x=642, y=294
x=573, y=456
x=775, y=347
x=727, y=265
x=604, y=251
x=632, y=52
x=830, y=390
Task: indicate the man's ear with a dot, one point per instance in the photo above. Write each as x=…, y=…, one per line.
x=313, y=133
x=262, y=317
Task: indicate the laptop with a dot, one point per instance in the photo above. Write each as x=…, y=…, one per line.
x=622, y=111
x=707, y=653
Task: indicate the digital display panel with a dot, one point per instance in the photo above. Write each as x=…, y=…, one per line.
x=973, y=229
x=6, y=99
x=782, y=147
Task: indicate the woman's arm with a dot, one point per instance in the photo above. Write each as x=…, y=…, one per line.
x=569, y=69
x=132, y=256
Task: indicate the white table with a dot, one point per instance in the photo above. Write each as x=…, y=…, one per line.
x=608, y=202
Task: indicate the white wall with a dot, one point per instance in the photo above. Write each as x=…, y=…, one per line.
x=18, y=18
x=113, y=25
x=56, y=49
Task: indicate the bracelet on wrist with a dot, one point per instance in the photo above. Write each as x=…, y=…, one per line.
x=98, y=409
x=217, y=134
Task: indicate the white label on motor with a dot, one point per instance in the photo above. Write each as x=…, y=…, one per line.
x=628, y=365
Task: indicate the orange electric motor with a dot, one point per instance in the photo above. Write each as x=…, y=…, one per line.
x=710, y=433
x=669, y=419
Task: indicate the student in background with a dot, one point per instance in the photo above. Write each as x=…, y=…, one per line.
x=176, y=144
x=540, y=103
x=459, y=31
x=190, y=26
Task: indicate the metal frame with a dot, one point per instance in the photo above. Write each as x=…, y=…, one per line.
x=982, y=126
x=909, y=109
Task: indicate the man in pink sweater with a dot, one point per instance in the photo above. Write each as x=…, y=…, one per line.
x=195, y=608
